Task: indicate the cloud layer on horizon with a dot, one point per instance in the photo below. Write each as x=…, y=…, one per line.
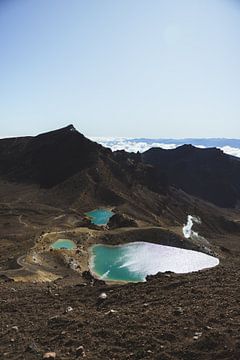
x=135, y=145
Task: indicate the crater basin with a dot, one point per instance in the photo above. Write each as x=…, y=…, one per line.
x=100, y=216
x=132, y=262
x=64, y=244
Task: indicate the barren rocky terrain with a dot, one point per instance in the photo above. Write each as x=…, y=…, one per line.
x=47, y=183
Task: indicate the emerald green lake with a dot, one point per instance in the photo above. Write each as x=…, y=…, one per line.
x=64, y=244
x=100, y=216
x=134, y=261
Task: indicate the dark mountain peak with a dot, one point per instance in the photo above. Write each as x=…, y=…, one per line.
x=48, y=158
x=206, y=173
x=183, y=149
x=189, y=151
x=68, y=130
x=186, y=147
x=51, y=158
x=191, y=148
x=184, y=152
x=65, y=129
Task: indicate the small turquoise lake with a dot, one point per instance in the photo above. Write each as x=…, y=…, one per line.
x=134, y=261
x=100, y=216
x=64, y=244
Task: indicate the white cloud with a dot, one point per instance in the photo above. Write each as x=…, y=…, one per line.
x=131, y=145
x=231, y=150
x=134, y=145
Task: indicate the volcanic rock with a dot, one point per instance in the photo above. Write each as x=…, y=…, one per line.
x=121, y=220
x=209, y=174
x=50, y=355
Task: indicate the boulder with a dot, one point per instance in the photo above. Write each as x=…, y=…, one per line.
x=121, y=220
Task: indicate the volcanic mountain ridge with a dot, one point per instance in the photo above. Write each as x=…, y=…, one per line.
x=64, y=169
x=47, y=183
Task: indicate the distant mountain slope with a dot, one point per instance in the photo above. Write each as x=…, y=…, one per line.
x=65, y=170
x=49, y=158
x=75, y=169
x=206, y=173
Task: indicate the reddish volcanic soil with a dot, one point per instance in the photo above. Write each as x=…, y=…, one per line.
x=195, y=316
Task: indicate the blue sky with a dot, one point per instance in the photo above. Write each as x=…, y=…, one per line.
x=136, y=68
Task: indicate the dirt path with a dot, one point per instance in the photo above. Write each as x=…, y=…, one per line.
x=21, y=221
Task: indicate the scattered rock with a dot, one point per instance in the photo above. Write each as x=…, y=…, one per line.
x=168, y=274
x=69, y=309
x=103, y=296
x=32, y=348
x=208, y=328
x=49, y=355
x=197, y=335
x=81, y=285
x=80, y=351
x=87, y=276
x=179, y=311
x=56, y=321
x=111, y=312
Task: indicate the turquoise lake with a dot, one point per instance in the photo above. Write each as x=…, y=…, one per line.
x=64, y=244
x=100, y=216
x=134, y=261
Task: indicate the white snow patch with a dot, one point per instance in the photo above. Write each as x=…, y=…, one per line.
x=149, y=259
